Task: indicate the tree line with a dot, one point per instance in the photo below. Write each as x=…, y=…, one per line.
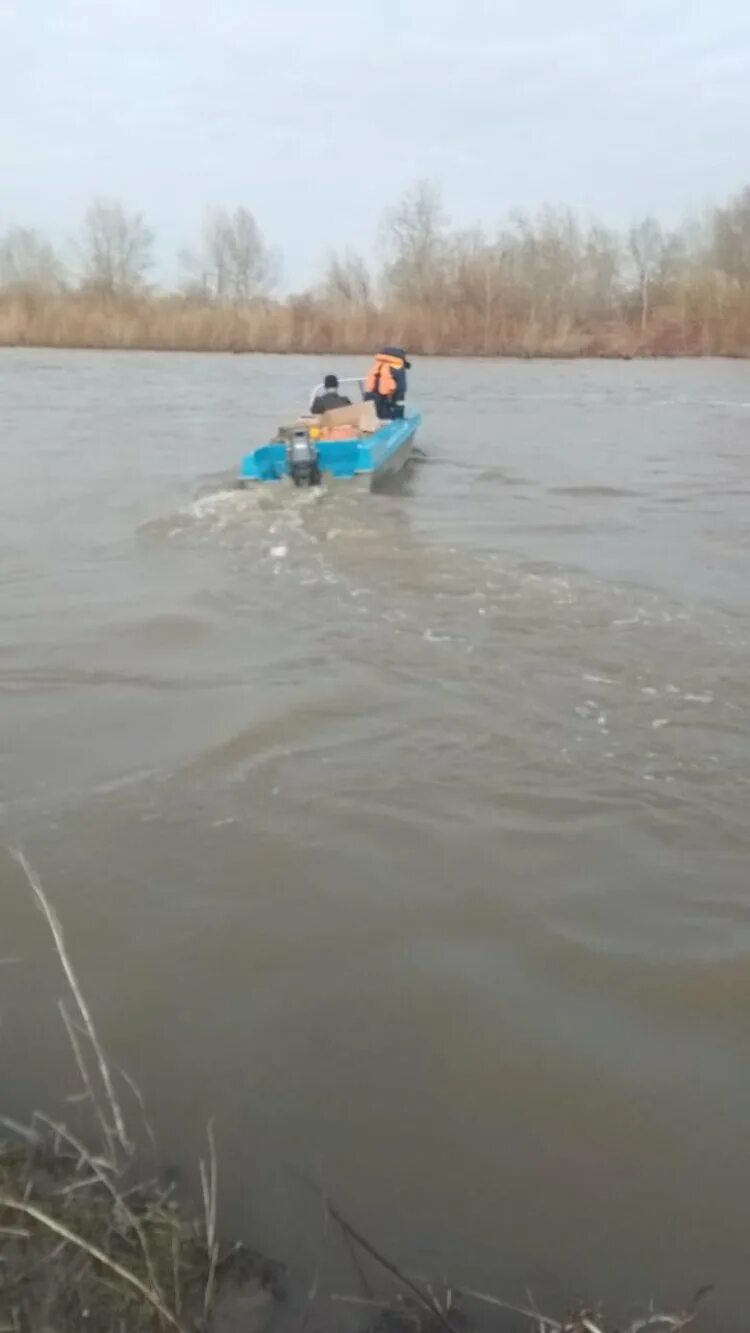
x=536, y=284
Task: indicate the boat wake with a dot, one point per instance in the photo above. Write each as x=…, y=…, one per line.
x=235, y=509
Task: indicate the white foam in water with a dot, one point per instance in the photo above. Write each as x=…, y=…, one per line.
x=277, y=510
x=221, y=506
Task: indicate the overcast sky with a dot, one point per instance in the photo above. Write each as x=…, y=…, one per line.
x=316, y=115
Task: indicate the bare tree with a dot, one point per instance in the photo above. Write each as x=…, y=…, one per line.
x=601, y=272
x=233, y=263
x=475, y=284
x=415, y=239
x=116, y=249
x=646, y=245
x=347, y=281
x=29, y=263
x=731, y=238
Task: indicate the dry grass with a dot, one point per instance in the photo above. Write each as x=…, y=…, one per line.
x=82, y=1247
x=313, y=325
x=83, y=1244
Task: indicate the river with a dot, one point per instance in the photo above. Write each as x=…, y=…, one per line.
x=405, y=833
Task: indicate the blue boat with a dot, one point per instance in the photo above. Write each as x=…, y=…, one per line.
x=308, y=453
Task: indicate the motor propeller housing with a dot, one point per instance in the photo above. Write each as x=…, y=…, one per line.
x=302, y=452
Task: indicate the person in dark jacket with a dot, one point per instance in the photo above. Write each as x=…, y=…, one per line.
x=330, y=397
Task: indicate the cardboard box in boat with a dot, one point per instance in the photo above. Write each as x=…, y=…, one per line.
x=360, y=415
x=285, y=433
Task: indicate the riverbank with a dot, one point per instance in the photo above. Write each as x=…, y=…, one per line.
x=85, y=1242
x=310, y=325
x=86, y=1239
x=84, y=1247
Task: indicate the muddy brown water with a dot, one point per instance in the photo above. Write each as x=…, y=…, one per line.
x=407, y=834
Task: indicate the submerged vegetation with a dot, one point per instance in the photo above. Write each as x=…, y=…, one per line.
x=86, y=1244
x=535, y=285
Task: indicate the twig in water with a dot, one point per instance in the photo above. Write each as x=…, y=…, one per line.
x=533, y=1315
x=25, y=1132
x=359, y=1270
x=83, y=1009
x=367, y=1301
x=72, y=1031
x=672, y=1322
x=312, y=1294
x=210, y=1187
x=176, y=1271
x=540, y=1318
x=73, y=1028
x=148, y=1294
x=427, y=1302
x=139, y=1097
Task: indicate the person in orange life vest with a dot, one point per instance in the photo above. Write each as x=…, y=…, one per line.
x=385, y=385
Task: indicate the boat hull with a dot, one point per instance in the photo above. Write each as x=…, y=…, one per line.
x=377, y=455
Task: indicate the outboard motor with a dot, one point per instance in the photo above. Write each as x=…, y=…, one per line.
x=302, y=453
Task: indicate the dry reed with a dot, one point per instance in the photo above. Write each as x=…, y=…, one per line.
x=81, y=1245
x=314, y=325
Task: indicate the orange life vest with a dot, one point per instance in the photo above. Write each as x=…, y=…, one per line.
x=381, y=379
